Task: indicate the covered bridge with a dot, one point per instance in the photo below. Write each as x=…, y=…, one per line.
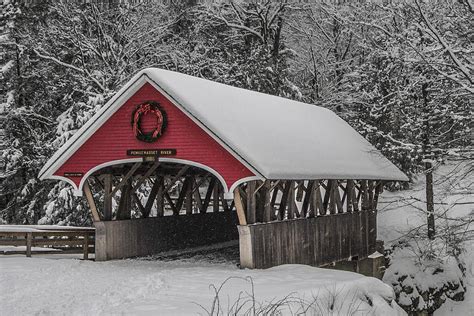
x=175, y=161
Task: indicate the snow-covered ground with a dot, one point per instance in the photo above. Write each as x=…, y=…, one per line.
x=63, y=284
x=400, y=212
x=60, y=284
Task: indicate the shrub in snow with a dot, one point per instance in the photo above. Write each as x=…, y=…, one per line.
x=424, y=274
x=341, y=298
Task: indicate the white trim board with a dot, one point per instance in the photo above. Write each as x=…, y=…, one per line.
x=228, y=194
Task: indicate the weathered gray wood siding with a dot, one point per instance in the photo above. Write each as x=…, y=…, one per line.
x=313, y=241
x=146, y=236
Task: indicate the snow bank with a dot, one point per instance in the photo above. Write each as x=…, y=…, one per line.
x=42, y=285
x=422, y=283
x=402, y=213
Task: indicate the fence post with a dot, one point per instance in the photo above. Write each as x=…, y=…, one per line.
x=85, y=246
x=29, y=241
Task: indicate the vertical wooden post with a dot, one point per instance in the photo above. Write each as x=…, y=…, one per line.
x=307, y=198
x=251, y=202
x=349, y=196
x=215, y=197
x=364, y=197
x=365, y=215
x=29, y=243
x=267, y=206
x=332, y=196
x=108, y=197
x=245, y=237
x=85, y=246
x=355, y=197
x=189, y=195
x=273, y=201
x=370, y=192
x=246, y=247
x=317, y=200
x=160, y=199
x=239, y=207
x=260, y=201
x=198, y=202
x=291, y=200
x=378, y=190
x=100, y=248
x=284, y=200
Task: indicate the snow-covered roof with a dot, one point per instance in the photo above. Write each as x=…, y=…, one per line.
x=275, y=137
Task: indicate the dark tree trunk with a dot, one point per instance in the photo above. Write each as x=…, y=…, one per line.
x=427, y=155
x=429, y=200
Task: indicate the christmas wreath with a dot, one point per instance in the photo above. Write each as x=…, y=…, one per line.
x=153, y=108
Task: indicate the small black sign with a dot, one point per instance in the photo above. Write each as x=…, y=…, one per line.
x=73, y=174
x=151, y=152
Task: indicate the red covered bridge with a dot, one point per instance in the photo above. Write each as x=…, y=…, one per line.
x=174, y=161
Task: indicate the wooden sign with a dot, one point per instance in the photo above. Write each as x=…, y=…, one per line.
x=151, y=152
x=73, y=174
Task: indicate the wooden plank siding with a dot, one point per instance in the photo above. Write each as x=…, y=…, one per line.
x=147, y=236
x=336, y=224
x=313, y=241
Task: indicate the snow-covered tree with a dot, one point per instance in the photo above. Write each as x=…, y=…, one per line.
x=252, y=44
x=73, y=57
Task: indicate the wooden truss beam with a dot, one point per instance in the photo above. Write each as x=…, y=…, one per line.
x=152, y=197
x=210, y=191
x=239, y=207
x=126, y=177
x=146, y=175
x=91, y=202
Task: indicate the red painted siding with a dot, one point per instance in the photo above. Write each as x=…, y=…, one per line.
x=115, y=136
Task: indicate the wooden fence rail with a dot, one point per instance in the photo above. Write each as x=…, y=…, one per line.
x=65, y=239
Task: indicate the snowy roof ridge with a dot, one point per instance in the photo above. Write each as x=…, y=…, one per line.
x=277, y=138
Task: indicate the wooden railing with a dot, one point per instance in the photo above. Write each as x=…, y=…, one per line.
x=68, y=239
